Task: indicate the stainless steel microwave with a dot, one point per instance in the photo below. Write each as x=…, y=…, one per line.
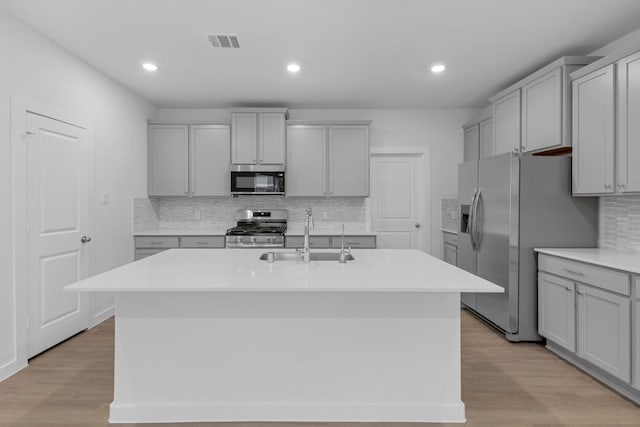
x=257, y=179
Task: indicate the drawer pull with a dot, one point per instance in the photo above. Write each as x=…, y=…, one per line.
x=156, y=243
x=580, y=293
x=568, y=289
x=202, y=243
x=577, y=273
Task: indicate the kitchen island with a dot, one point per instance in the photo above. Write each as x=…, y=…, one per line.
x=210, y=335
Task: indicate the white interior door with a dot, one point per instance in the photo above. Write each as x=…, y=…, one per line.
x=58, y=192
x=398, y=201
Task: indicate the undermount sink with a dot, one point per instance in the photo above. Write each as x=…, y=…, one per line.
x=315, y=256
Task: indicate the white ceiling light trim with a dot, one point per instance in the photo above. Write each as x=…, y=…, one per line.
x=438, y=68
x=293, y=68
x=149, y=66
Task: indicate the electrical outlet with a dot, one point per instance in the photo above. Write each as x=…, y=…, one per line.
x=105, y=198
x=325, y=215
x=197, y=215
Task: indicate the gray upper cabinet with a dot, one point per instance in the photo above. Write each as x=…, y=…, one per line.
x=349, y=161
x=189, y=160
x=258, y=137
x=306, y=160
x=486, y=138
x=506, y=123
x=593, y=132
x=209, y=159
x=327, y=160
x=271, y=138
x=168, y=160
x=542, y=112
x=244, y=134
x=471, y=143
x=533, y=114
x=628, y=136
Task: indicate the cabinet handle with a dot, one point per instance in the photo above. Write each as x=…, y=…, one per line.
x=568, y=289
x=621, y=185
x=580, y=293
x=577, y=273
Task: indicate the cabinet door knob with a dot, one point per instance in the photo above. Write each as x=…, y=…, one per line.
x=417, y=225
x=85, y=239
x=621, y=185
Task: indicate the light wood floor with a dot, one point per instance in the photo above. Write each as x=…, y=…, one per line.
x=503, y=384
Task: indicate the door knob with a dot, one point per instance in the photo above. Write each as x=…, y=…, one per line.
x=417, y=225
x=85, y=239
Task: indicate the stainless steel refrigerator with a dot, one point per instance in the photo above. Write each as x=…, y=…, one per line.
x=508, y=205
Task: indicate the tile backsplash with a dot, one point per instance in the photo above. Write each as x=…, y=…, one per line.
x=180, y=212
x=450, y=214
x=620, y=222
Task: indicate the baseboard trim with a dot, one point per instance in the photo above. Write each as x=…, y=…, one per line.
x=102, y=316
x=339, y=412
x=12, y=368
x=607, y=379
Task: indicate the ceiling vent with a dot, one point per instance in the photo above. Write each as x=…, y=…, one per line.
x=223, y=40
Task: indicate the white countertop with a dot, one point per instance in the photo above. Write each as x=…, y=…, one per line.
x=293, y=229
x=233, y=270
x=182, y=232
x=605, y=257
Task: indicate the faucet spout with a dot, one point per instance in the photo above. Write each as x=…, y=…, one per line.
x=308, y=221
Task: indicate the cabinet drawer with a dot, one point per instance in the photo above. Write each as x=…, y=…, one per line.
x=361, y=242
x=143, y=253
x=157, y=242
x=318, y=242
x=202, y=242
x=450, y=238
x=611, y=280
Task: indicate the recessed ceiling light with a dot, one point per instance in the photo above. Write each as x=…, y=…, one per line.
x=293, y=68
x=438, y=68
x=149, y=66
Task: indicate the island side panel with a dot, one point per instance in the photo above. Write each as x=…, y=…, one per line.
x=287, y=356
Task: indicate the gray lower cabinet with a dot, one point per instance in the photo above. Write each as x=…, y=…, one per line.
x=636, y=335
x=604, y=330
x=450, y=247
x=202, y=242
x=335, y=242
x=150, y=245
x=557, y=310
x=586, y=310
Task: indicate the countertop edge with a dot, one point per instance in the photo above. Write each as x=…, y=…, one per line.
x=602, y=257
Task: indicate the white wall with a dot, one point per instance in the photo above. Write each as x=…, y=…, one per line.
x=439, y=130
x=40, y=71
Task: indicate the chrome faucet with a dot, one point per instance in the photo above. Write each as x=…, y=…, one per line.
x=308, y=220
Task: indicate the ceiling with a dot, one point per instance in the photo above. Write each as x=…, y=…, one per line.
x=353, y=53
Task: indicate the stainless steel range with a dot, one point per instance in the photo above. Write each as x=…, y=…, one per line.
x=258, y=229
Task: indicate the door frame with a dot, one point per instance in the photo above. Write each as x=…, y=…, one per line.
x=20, y=106
x=424, y=188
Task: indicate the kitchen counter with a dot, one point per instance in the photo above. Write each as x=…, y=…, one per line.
x=204, y=335
x=240, y=270
x=605, y=257
x=292, y=230
x=449, y=230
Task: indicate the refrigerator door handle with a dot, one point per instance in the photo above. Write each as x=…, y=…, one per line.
x=471, y=220
x=477, y=234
